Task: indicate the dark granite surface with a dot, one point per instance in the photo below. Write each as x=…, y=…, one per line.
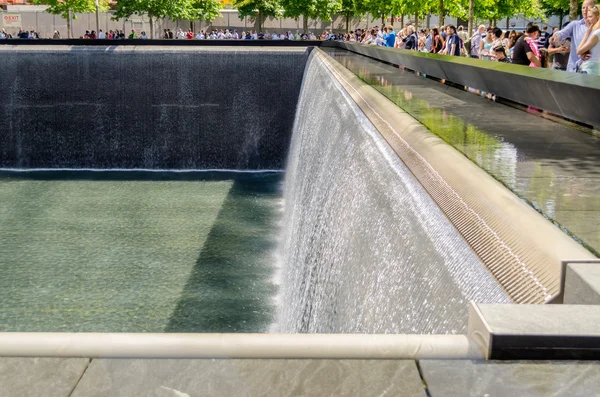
x=158, y=108
x=552, y=166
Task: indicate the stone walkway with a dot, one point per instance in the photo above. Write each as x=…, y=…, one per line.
x=51, y=377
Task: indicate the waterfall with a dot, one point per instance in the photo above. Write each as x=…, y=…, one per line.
x=364, y=248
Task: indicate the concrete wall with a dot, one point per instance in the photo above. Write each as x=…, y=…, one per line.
x=159, y=108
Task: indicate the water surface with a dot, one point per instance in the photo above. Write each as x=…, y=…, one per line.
x=137, y=251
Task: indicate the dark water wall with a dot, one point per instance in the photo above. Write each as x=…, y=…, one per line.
x=155, y=108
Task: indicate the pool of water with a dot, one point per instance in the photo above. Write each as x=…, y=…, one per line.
x=138, y=251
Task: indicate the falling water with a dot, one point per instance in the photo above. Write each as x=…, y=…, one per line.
x=365, y=249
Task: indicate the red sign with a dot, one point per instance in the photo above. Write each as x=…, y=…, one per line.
x=11, y=20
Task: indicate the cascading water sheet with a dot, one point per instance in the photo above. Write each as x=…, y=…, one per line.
x=365, y=249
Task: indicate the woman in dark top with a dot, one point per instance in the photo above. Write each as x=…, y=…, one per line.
x=454, y=44
x=410, y=42
x=437, y=41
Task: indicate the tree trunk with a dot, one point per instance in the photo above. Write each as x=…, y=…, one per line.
x=348, y=22
x=560, y=20
x=392, y=19
x=383, y=20
x=507, y=23
x=573, y=9
x=69, y=33
x=259, y=21
x=470, y=23
x=401, y=21
x=305, y=23
x=151, y=26
x=428, y=23
x=442, y=13
x=417, y=22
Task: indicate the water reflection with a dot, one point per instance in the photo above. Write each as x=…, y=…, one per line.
x=549, y=165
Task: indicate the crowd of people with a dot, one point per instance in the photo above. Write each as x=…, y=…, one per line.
x=575, y=48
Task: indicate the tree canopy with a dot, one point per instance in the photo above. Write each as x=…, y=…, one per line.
x=259, y=10
x=67, y=8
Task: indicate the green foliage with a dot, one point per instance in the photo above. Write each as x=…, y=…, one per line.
x=382, y=8
x=311, y=8
x=154, y=8
x=64, y=7
x=556, y=7
x=204, y=10
x=352, y=8
x=265, y=8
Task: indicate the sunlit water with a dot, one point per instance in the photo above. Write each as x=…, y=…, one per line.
x=138, y=251
x=366, y=250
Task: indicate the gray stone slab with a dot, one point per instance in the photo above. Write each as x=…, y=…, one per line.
x=511, y=379
x=582, y=284
x=180, y=378
x=524, y=320
x=48, y=377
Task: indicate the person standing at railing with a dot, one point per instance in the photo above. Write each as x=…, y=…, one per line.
x=410, y=42
x=453, y=42
x=590, y=44
x=575, y=31
x=525, y=50
x=485, y=47
x=476, y=41
x=437, y=41
x=389, y=36
x=560, y=52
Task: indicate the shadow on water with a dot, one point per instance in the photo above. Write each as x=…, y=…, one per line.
x=230, y=288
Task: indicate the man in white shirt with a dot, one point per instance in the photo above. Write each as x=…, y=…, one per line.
x=275, y=36
x=180, y=34
x=476, y=41
x=101, y=35
x=235, y=35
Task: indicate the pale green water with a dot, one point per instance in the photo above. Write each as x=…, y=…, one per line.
x=137, y=251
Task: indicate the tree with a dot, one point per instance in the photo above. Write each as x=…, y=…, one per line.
x=259, y=9
x=172, y=9
x=67, y=8
x=556, y=7
x=203, y=10
x=153, y=8
x=573, y=10
x=308, y=9
x=382, y=8
x=351, y=9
